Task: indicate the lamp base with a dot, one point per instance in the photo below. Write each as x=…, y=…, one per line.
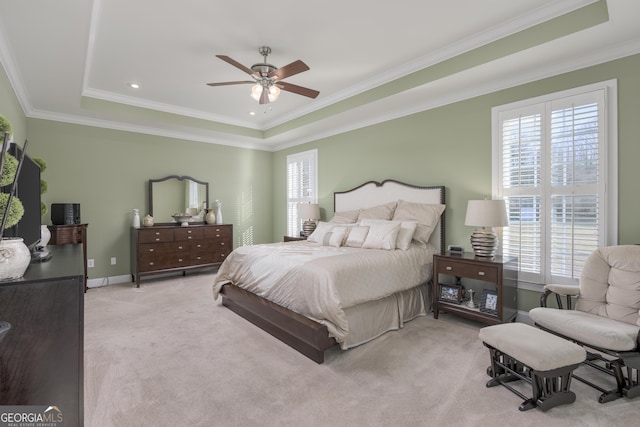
x=308, y=227
x=484, y=243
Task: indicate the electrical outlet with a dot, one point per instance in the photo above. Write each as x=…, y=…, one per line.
x=90, y=263
x=113, y=260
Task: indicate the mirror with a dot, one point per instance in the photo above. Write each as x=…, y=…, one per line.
x=177, y=194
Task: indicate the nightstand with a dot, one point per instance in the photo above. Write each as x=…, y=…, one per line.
x=293, y=239
x=494, y=281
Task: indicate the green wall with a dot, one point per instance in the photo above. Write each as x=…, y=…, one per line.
x=451, y=146
x=11, y=109
x=107, y=172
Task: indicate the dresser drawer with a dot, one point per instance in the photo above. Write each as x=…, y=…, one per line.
x=156, y=249
x=218, y=232
x=188, y=233
x=471, y=271
x=155, y=235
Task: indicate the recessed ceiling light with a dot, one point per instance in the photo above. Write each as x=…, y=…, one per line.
x=134, y=85
x=252, y=113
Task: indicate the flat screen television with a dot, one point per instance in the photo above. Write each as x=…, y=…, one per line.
x=28, y=191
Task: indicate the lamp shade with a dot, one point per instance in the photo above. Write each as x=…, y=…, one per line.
x=486, y=213
x=309, y=211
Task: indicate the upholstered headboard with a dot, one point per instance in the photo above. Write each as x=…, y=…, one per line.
x=374, y=193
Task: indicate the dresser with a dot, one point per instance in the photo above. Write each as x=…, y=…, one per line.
x=70, y=235
x=41, y=356
x=170, y=248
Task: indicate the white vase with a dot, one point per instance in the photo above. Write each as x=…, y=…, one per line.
x=14, y=258
x=45, y=236
x=136, y=218
x=218, y=212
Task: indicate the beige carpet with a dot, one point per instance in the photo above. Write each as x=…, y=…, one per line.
x=168, y=355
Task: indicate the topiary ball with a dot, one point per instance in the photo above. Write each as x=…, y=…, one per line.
x=8, y=170
x=41, y=163
x=16, y=210
x=43, y=208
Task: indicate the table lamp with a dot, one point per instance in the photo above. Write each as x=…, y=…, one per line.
x=310, y=212
x=485, y=214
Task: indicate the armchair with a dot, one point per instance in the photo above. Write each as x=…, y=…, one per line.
x=606, y=318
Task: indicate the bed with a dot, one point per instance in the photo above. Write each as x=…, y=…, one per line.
x=348, y=283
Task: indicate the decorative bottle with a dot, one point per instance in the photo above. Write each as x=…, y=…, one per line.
x=218, y=212
x=136, y=218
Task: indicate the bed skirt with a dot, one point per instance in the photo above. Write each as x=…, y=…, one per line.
x=370, y=320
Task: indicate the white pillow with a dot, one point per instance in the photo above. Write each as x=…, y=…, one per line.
x=382, y=235
x=426, y=215
x=405, y=235
x=345, y=217
x=335, y=237
x=321, y=229
x=356, y=236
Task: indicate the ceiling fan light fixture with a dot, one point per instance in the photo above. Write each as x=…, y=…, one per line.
x=256, y=91
x=274, y=92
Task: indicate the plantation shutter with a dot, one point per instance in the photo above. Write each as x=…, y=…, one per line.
x=301, y=186
x=552, y=173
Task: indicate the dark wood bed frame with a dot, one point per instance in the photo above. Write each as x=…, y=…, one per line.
x=304, y=335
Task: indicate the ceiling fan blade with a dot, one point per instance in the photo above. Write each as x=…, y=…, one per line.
x=298, y=89
x=235, y=64
x=230, y=83
x=289, y=70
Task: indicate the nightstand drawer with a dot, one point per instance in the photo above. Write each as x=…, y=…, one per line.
x=471, y=271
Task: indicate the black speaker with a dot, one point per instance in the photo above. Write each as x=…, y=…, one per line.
x=65, y=213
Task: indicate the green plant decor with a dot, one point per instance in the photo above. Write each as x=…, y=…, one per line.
x=5, y=126
x=8, y=170
x=16, y=210
x=44, y=187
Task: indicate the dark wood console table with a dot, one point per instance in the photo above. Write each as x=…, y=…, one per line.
x=42, y=354
x=70, y=235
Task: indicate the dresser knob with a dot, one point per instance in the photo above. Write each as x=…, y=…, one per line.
x=157, y=233
x=217, y=235
x=151, y=250
x=179, y=247
x=221, y=243
x=179, y=259
x=480, y=273
x=198, y=245
x=151, y=263
x=189, y=237
x=189, y=231
x=157, y=239
x=449, y=268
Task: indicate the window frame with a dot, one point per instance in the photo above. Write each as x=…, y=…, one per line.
x=609, y=163
x=291, y=204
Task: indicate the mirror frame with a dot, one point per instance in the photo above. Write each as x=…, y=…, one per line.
x=179, y=178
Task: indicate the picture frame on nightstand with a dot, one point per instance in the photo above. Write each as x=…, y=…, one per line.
x=489, y=302
x=450, y=293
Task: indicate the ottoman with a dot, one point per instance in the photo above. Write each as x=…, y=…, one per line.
x=522, y=352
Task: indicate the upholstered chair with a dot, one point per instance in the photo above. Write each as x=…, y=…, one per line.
x=606, y=318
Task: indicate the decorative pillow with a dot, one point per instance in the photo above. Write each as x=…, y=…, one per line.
x=345, y=217
x=382, y=235
x=405, y=235
x=356, y=236
x=321, y=229
x=335, y=237
x=426, y=215
x=378, y=212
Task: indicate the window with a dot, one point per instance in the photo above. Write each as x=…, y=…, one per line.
x=302, y=186
x=556, y=170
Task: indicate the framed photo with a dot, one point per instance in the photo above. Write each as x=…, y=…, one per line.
x=450, y=293
x=489, y=302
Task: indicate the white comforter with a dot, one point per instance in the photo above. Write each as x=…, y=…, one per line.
x=319, y=282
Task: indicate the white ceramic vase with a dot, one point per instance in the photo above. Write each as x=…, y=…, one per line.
x=14, y=258
x=218, y=212
x=45, y=236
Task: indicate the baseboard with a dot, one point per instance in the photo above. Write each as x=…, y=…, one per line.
x=104, y=281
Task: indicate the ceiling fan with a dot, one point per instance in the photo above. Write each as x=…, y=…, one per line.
x=267, y=79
